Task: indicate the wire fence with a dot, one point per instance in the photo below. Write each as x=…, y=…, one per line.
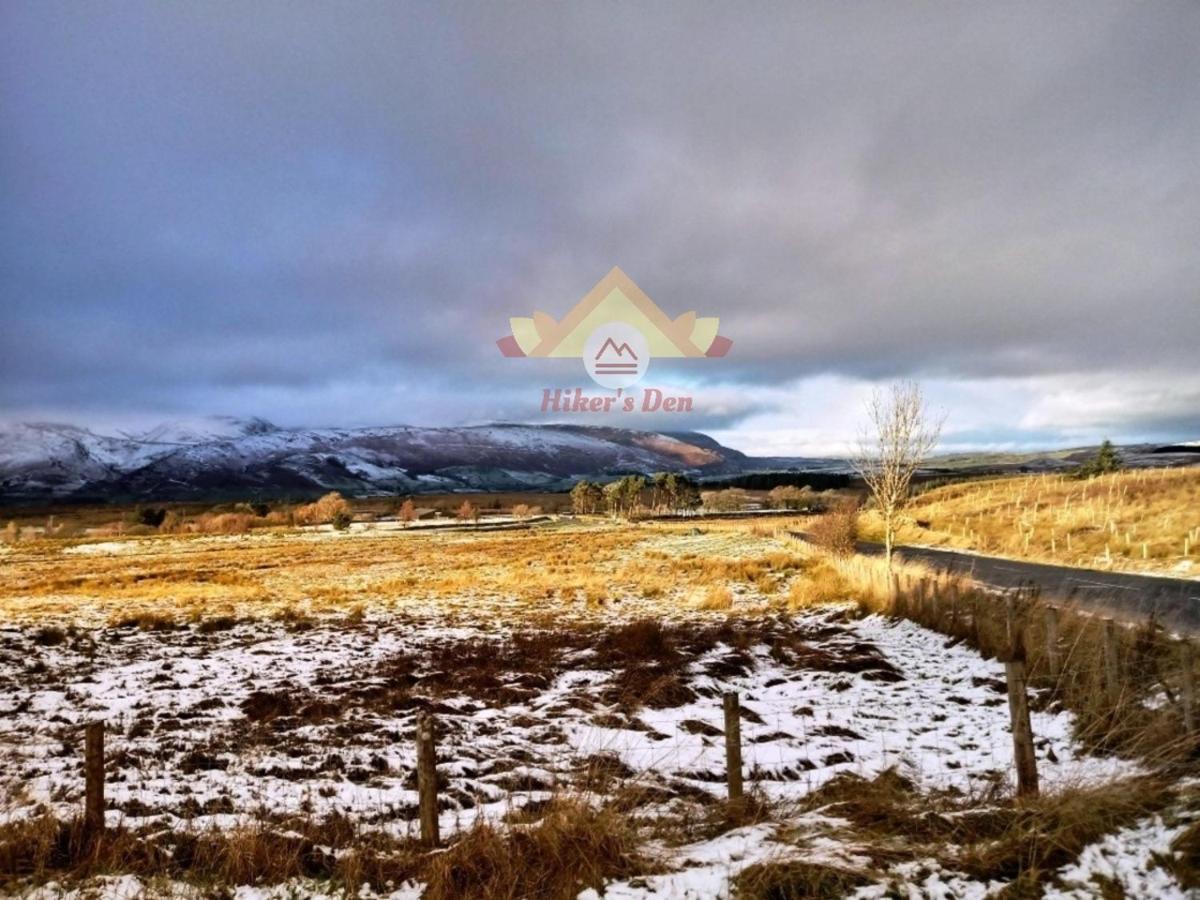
x=1078, y=696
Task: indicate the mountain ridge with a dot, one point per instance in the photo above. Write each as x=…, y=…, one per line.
x=234, y=457
x=223, y=457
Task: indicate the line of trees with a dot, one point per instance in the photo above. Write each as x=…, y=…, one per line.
x=624, y=496
x=674, y=493
x=668, y=492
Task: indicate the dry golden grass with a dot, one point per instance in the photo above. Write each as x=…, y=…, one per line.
x=716, y=597
x=1140, y=519
x=160, y=581
x=822, y=583
x=194, y=577
x=569, y=847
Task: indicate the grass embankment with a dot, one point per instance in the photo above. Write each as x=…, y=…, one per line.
x=1143, y=520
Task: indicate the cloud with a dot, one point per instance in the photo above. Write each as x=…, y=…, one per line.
x=324, y=216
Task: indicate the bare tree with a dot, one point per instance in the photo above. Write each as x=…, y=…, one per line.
x=899, y=435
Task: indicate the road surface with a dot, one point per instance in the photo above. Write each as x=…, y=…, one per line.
x=1174, y=601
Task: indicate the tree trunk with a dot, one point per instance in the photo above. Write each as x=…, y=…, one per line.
x=889, y=540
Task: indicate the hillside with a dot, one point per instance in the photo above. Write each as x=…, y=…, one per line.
x=237, y=458
x=1144, y=519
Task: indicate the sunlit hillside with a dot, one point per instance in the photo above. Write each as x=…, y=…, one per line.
x=1142, y=519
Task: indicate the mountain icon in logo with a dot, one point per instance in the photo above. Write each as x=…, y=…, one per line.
x=613, y=358
x=615, y=299
x=616, y=355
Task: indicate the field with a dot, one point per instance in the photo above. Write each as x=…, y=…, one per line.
x=261, y=692
x=1144, y=520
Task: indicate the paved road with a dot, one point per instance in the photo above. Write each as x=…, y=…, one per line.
x=1175, y=601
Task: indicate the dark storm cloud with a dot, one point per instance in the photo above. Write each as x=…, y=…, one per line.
x=332, y=211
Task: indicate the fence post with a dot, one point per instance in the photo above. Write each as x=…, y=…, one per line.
x=1188, y=659
x=1018, y=710
x=1112, y=663
x=427, y=779
x=733, y=747
x=93, y=768
x=1053, y=655
x=1010, y=616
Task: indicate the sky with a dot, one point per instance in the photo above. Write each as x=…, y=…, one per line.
x=325, y=214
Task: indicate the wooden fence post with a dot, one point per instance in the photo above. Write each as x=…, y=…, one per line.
x=1053, y=653
x=733, y=747
x=1187, y=658
x=1112, y=662
x=1010, y=618
x=1022, y=731
x=427, y=779
x=93, y=767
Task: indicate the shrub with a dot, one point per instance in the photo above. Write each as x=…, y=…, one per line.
x=408, y=511
x=49, y=636
x=837, y=530
x=521, y=511
x=173, y=523
x=728, y=500
x=572, y=848
x=322, y=511
x=62, y=528
x=468, y=512
x=341, y=520
x=787, y=496
x=149, y=516
x=223, y=523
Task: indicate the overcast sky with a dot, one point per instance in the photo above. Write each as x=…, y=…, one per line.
x=324, y=214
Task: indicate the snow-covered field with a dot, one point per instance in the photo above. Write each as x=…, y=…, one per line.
x=224, y=722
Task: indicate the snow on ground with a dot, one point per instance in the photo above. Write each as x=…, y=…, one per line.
x=317, y=721
x=1127, y=859
x=212, y=726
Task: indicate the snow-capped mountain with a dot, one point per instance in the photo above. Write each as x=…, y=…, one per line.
x=227, y=458
x=231, y=457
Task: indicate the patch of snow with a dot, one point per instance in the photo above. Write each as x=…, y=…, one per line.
x=1126, y=859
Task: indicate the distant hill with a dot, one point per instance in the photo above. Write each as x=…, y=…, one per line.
x=227, y=458
x=224, y=458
